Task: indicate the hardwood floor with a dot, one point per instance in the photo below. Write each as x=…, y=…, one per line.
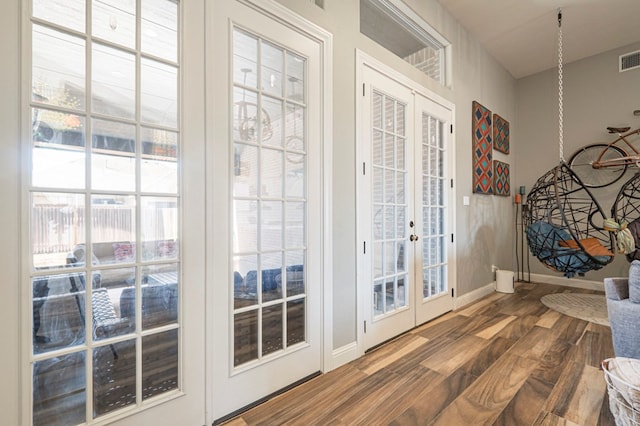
x=504, y=360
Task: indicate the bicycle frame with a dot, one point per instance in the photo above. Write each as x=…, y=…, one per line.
x=634, y=158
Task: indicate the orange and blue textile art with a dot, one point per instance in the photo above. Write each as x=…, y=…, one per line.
x=500, y=134
x=482, y=150
x=501, y=184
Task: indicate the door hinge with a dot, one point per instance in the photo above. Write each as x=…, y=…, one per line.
x=364, y=169
x=451, y=237
x=451, y=292
x=364, y=247
x=365, y=326
x=451, y=183
x=362, y=89
x=451, y=128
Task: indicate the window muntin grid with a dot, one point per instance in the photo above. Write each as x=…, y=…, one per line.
x=434, y=259
x=269, y=199
x=104, y=186
x=389, y=160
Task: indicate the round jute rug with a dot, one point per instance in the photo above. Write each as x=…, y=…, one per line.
x=588, y=307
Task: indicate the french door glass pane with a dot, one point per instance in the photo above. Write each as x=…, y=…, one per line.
x=245, y=341
x=295, y=77
x=159, y=167
x=58, y=68
x=114, y=376
x=60, y=391
x=104, y=216
x=433, y=209
x=272, y=323
x=269, y=198
x=113, y=82
x=271, y=277
x=294, y=128
x=272, y=61
x=294, y=225
x=245, y=115
x=245, y=170
x=159, y=93
x=159, y=225
x=159, y=295
x=296, y=322
x=245, y=290
x=67, y=13
x=57, y=225
x=245, y=54
x=113, y=288
x=159, y=363
x=389, y=203
x=115, y=21
x=271, y=121
x=58, y=311
x=113, y=220
x=58, y=153
x=159, y=35
x=113, y=164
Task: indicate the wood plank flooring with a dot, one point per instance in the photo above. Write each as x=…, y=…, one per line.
x=504, y=360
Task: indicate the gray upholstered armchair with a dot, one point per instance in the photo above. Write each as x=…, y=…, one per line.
x=623, y=306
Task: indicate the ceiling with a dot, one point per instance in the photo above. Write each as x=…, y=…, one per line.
x=522, y=34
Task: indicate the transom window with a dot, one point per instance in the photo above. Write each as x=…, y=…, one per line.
x=393, y=25
x=104, y=206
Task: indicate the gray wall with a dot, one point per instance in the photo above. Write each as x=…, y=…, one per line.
x=596, y=95
x=484, y=234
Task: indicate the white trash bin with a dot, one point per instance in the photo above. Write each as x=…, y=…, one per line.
x=504, y=281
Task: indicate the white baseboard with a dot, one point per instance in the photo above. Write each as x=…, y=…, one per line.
x=343, y=355
x=474, y=295
x=567, y=282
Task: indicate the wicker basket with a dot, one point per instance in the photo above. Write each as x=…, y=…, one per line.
x=624, y=397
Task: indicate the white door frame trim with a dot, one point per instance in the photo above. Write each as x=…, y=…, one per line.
x=365, y=60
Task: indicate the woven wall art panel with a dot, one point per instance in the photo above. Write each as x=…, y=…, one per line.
x=500, y=134
x=482, y=150
x=501, y=182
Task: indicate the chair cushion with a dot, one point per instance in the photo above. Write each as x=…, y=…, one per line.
x=591, y=245
x=634, y=281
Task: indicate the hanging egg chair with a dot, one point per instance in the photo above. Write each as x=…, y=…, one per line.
x=626, y=211
x=563, y=221
x=561, y=224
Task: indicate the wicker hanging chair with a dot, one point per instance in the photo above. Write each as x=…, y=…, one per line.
x=563, y=224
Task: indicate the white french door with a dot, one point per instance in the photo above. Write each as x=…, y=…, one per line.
x=433, y=202
x=266, y=248
x=404, y=216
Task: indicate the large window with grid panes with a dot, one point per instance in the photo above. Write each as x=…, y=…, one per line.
x=102, y=192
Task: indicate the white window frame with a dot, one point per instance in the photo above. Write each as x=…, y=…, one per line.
x=26, y=189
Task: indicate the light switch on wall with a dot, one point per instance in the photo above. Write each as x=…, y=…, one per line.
x=465, y=200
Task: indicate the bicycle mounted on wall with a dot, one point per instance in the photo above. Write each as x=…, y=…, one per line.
x=602, y=164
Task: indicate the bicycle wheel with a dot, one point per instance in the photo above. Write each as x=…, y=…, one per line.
x=581, y=163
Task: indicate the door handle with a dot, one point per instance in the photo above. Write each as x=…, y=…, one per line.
x=413, y=237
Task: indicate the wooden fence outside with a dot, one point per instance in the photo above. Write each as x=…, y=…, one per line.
x=58, y=229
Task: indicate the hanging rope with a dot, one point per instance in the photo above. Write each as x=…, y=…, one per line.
x=625, y=242
x=560, y=123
